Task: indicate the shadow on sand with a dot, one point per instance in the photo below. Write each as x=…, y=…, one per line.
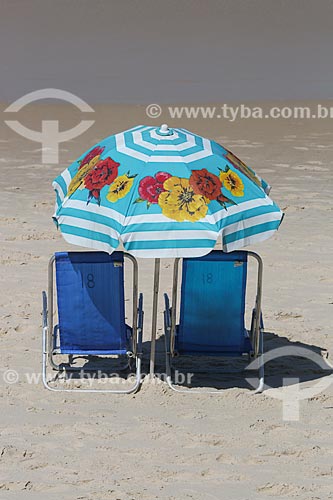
x=212, y=372
x=223, y=373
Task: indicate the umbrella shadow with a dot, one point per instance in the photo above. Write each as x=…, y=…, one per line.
x=224, y=373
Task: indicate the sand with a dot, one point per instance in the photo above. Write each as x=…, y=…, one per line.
x=158, y=444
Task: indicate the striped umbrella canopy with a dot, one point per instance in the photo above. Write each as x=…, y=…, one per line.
x=162, y=192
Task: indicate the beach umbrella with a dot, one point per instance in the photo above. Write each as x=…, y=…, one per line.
x=162, y=192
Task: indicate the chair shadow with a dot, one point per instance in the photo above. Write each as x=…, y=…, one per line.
x=207, y=371
x=97, y=370
x=212, y=372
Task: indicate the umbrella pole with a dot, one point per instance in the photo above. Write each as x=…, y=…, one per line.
x=154, y=318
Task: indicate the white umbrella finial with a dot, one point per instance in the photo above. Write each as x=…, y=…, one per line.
x=164, y=130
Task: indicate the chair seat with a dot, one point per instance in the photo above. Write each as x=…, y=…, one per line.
x=91, y=304
x=90, y=352
x=211, y=349
x=92, y=349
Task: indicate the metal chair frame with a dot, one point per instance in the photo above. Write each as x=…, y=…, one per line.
x=49, y=335
x=256, y=331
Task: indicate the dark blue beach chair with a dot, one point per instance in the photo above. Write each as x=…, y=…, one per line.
x=212, y=309
x=91, y=312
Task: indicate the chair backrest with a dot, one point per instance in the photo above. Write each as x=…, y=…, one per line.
x=213, y=305
x=90, y=296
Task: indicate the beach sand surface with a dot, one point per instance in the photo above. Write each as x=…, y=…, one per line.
x=158, y=444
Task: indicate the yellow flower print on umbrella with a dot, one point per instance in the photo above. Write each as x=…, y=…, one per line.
x=77, y=180
x=179, y=201
x=240, y=165
x=232, y=182
x=120, y=187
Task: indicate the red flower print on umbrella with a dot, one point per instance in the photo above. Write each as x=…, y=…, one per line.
x=208, y=185
x=150, y=188
x=205, y=183
x=97, y=151
x=103, y=174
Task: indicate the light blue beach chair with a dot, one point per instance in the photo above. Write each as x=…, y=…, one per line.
x=91, y=312
x=212, y=311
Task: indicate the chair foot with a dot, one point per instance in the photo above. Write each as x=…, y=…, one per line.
x=260, y=387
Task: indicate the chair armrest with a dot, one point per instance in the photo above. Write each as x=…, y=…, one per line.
x=167, y=311
x=44, y=312
x=140, y=322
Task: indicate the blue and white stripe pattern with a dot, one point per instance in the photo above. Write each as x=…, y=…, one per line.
x=142, y=228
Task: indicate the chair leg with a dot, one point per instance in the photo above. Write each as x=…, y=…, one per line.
x=137, y=376
x=44, y=357
x=168, y=360
x=261, y=384
x=55, y=366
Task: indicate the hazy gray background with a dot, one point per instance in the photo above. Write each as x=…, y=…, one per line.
x=168, y=51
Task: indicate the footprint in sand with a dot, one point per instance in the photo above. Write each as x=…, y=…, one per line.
x=9, y=451
x=253, y=145
x=288, y=315
x=279, y=489
x=312, y=168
